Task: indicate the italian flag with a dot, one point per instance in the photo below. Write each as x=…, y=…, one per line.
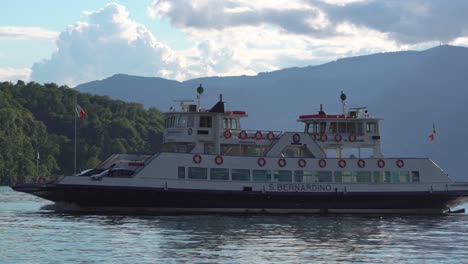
x=80, y=112
x=432, y=135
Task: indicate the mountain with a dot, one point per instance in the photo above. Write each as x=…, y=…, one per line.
x=411, y=90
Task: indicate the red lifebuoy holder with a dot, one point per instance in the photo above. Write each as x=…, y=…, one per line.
x=342, y=163
x=282, y=162
x=338, y=138
x=197, y=159
x=227, y=134
x=219, y=160
x=323, y=138
x=271, y=136
x=261, y=162
x=361, y=163
x=352, y=138
x=302, y=163
x=243, y=134
x=400, y=163
x=258, y=135
x=381, y=163
x=314, y=136
x=322, y=163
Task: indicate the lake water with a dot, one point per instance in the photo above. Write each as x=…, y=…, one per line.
x=29, y=234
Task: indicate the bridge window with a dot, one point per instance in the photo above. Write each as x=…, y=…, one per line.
x=261, y=175
x=219, y=174
x=415, y=176
x=197, y=173
x=371, y=127
x=205, y=121
x=382, y=176
x=282, y=176
x=181, y=172
x=240, y=175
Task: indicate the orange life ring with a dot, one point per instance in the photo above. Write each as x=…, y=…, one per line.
x=261, y=162
x=282, y=162
x=227, y=134
x=197, y=159
x=323, y=138
x=400, y=163
x=302, y=163
x=219, y=160
x=322, y=163
x=271, y=136
x=243, y=134
x=352, y=138
x=338, y=138
x=258, y=135
x=342, y=163
x=381, y=163
x=361, y=163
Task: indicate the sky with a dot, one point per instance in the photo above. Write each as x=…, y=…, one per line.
x=72, y=42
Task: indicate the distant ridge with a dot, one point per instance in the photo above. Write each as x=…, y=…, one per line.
x=409, y=89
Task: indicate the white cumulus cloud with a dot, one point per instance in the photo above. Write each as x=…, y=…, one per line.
x=9, y=74
x=22, y=33
x=108, y=42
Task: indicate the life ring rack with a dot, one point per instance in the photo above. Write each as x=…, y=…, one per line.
x=361, y=163
x=282, y=162
x=400, y=163
x=197, y=159
x=243, y=134
x=302, y=163
x=271, y=136
x=338, y=138
x=227, y=134
x=381, y=163
x=342, y=163
x=322, y=163
x=261, y=162
x=219, y=160
x=258, y=135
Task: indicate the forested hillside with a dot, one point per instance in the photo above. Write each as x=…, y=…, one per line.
x=38, y=118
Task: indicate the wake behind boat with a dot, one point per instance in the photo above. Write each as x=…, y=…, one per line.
x=210, y=163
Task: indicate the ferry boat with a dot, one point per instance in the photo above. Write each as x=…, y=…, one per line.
x=210, y=163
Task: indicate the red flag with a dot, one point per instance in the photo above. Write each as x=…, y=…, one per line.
x=80, y=112
x=432, y=135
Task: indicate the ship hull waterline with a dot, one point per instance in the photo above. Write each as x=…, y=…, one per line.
x=209, y=201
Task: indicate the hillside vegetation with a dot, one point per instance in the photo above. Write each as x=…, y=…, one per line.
x=38, y=118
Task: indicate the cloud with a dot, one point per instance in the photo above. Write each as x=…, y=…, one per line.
x=23, y=33
x=108, y=42
x=407, y=22
x=14, y=74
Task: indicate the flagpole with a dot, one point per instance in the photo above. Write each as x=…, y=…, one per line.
x=74, y=161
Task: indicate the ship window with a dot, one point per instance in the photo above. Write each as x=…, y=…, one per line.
x=404, y=176
x=190, y=121
x=261, y=175
x=234, y=123
x=219, y=174
x=415, y=176
x=395, y=177
x=371, y=127
x=240, y=175
x=181, y=172
x=332, y=128
x=359, y=129
x=323, y=127
x=324, y=176
x=344, y=176
x=382, y=177
x=363, y=176
x=282, y=176
x=304, y=176
x=351, y=127
x=205, y=121
x=342, y=127
x=197, y=173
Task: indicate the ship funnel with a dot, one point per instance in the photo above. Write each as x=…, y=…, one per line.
x=220, y=97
